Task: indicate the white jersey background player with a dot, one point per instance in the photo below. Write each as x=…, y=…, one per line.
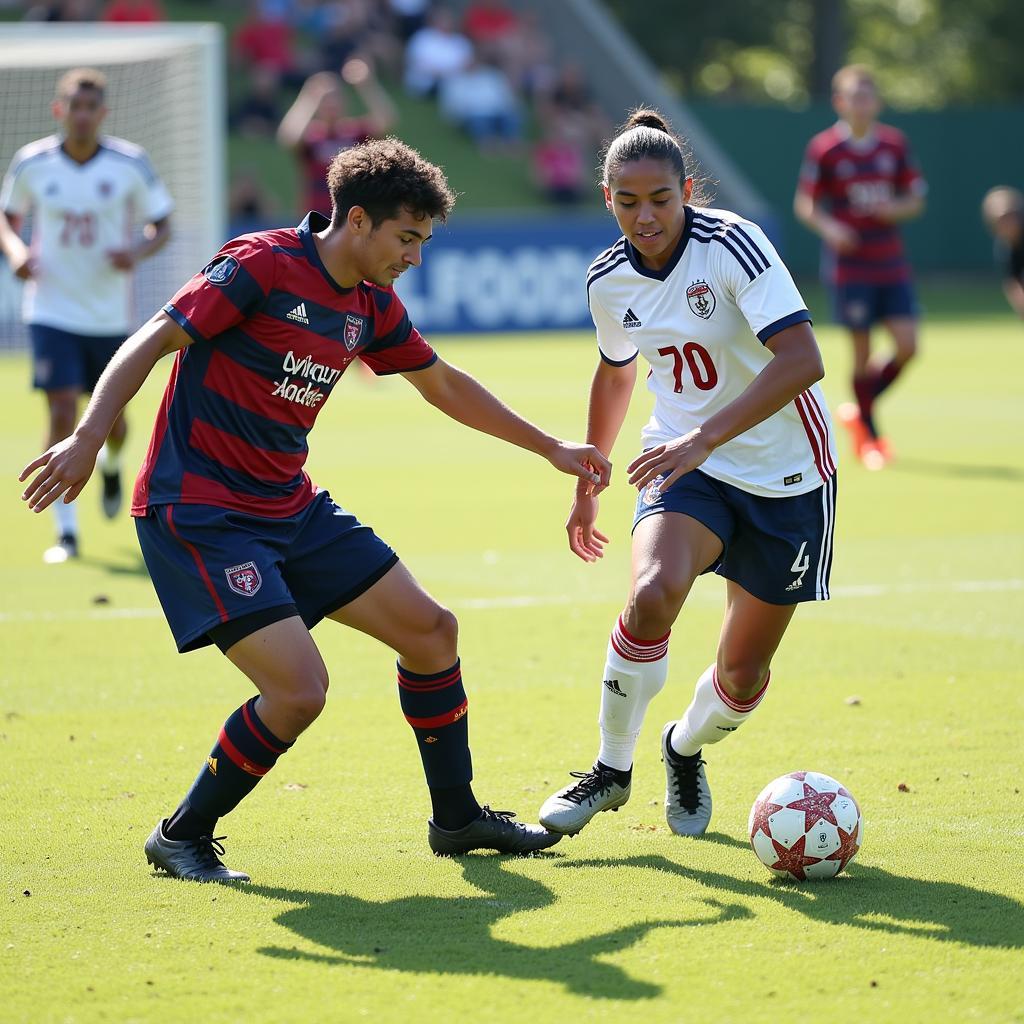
x=737, y=473
x=88, y=196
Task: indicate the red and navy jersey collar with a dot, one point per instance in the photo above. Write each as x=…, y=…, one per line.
x=312, y=223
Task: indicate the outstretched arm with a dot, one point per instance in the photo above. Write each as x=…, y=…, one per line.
x=795, y=365
x=65, y=468
x=610, y=392
x=381, y=111
x=465, y=399
x=300, y=114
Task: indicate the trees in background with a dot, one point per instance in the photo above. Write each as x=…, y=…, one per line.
x=927, y=53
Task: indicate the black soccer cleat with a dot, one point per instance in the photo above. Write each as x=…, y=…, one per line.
x=111, y=493
x=195, y=860
x=493, y=830
x=65, y=548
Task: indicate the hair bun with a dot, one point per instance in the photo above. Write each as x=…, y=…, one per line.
x=645, y=118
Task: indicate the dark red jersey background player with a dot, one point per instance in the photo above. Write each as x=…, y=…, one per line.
x=858, y=183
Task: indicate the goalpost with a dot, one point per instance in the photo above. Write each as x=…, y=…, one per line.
x=165, y=93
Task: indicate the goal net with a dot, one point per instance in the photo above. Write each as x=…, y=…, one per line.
x=165, y=93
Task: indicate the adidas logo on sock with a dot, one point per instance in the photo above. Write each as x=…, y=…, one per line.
x=613, y=686
x=298, y=314
x=631, y=320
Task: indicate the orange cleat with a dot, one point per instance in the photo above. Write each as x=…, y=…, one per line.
x=849, y=416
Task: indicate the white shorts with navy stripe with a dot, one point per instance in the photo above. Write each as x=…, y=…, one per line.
x=778, y=549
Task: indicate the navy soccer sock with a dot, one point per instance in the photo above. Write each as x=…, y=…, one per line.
x=435, y=706
x=245, y=751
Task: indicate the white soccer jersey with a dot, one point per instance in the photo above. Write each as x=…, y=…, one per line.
x=701, y=323
x=80, y=212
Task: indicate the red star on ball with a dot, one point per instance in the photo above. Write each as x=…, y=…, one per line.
x=763, y=810
x=849, y=844
x=793, y=860
x=816, y=807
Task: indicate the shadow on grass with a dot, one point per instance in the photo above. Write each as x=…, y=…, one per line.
x=864, y=897
x=960, y=470
x=435, y=935
x=129, y=564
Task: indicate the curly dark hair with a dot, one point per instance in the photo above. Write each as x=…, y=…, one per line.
x=384, y=176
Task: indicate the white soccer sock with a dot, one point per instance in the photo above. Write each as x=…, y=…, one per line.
x=712, y=714
x=635, y=671
x=110, y=459
x=66, y=516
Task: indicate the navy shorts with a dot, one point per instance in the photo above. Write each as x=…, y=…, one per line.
x=212, y=566
x=778, y=549
x=858, y=306
x=62, y=360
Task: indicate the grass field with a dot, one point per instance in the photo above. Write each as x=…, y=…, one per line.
x=350, y=917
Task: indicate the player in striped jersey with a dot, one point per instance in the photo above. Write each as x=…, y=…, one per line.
x=244, y=550
x=88, y=195
x=858, y=183
x=737, y=474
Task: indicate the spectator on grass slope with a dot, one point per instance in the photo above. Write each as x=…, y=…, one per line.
x=318, y=125
x=481, y=101
x=133, y=12
x=435, y=53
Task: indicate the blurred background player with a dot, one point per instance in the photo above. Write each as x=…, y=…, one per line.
x=243, y=549
x=1003, y=212
x=85, y=193
x=737, y=475
x=858, y=182
x=318, y=125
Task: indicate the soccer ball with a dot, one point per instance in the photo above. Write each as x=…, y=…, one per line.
x=805, y=825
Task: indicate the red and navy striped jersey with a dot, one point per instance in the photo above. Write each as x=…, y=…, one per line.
x=272, y=334
x=851, y=176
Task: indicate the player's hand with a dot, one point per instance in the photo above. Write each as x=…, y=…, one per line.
x=25, y=269
x=585, y=540
x=841, y=237
x=670, y=461
x=122, y=259
x=357, y=70
x=64, y=470
x=583, y=461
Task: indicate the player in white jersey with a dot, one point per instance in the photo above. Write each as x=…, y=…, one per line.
x=737, y=474
x=87, y=195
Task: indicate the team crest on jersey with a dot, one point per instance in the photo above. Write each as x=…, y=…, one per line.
x=221, y=271
x=244, y=579
x=105, y=188
x=353, y=331
x=701, y=299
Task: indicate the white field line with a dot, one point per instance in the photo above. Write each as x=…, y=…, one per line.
x=528, y=601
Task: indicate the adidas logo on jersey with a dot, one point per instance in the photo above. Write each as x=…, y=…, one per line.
x=298, y=314
x=631, y=320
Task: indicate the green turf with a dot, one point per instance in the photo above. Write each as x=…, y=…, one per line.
x=103, y=726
